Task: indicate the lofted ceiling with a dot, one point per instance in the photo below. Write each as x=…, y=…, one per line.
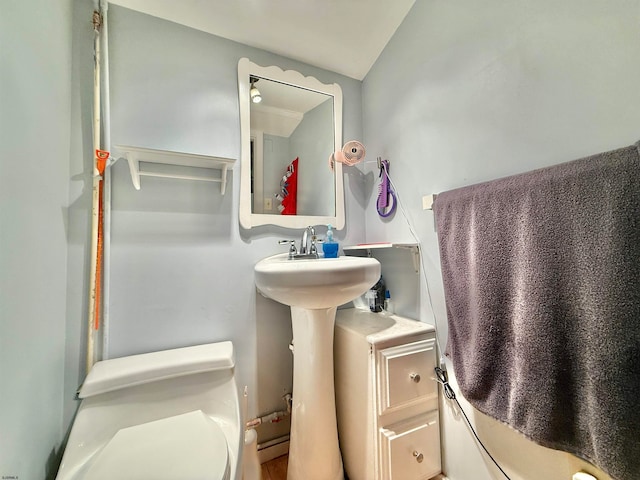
x=343, y=36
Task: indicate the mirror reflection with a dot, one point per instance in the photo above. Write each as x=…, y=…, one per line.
x=292, y=135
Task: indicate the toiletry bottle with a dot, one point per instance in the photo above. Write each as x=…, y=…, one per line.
x=388, y=303
x=330, y=246
x=378, y=300
x=370, y=295
x=381, y=288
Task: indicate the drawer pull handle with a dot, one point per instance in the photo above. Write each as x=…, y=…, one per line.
x=419, y=457
x=415, y=377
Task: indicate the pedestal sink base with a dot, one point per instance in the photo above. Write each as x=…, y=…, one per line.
x=313, y=289
x=314, y=453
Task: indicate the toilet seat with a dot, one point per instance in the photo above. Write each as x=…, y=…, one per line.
x=187, y=446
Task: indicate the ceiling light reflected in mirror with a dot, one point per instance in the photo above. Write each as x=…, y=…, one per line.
x=254, y=92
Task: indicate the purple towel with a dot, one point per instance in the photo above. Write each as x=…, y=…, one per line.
x=541, y=274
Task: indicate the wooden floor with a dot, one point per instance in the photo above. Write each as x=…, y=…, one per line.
x=275, y=469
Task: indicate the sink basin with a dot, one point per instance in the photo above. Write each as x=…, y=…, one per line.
x=315, y=283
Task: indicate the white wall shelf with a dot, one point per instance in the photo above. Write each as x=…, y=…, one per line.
x=374, y=246
x=140, y=160
x=368, y=249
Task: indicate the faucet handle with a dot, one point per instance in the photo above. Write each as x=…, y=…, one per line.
x=292, y=246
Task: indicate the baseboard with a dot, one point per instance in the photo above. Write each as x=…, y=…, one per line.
x=273, y=451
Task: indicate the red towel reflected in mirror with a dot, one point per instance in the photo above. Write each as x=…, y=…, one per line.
x=290, y=189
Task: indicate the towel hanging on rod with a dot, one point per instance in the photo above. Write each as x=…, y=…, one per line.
x=541, y=275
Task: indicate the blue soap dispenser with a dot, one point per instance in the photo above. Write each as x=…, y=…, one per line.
x=330, y=246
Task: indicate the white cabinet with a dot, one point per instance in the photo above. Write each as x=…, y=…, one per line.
x=386, y=396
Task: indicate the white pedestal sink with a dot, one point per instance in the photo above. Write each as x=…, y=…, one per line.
x=313, y=289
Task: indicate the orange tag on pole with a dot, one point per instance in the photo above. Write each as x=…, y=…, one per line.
x=101, y=160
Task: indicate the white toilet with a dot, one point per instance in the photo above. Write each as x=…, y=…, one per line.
x=173, y=414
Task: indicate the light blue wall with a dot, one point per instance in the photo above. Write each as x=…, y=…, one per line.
x=39, y=152
x=80, y=202
x=182, y=269
x=470, y=91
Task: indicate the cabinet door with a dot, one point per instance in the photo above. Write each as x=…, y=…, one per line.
x=406, y=375
x=411, y=450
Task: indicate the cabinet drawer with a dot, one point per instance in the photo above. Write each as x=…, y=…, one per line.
x=406, y=374
x=411, y=449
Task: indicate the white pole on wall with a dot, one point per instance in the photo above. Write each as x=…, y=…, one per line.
x=106, y=106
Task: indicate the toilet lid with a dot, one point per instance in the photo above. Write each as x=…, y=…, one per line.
x=187, y=446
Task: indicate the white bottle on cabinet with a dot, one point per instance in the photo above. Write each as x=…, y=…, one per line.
x=386, y=396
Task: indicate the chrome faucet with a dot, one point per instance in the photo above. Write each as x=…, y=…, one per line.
x=305, y=249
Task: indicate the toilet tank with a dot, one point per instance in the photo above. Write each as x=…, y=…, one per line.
x=119, y=373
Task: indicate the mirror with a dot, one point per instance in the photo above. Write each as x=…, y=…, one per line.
x=287, y=139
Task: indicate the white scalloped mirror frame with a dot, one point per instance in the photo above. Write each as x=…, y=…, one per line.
x=248, y=219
